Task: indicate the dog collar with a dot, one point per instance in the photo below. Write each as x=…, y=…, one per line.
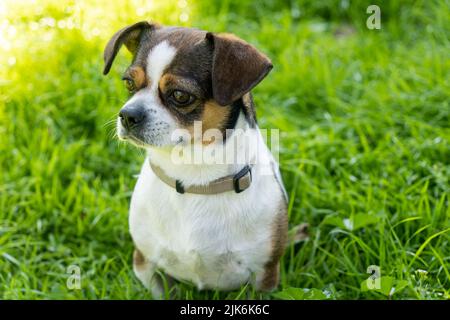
x=237, y=183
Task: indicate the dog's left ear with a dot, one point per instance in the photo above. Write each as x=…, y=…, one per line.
x=129, y=36
x=237, y=67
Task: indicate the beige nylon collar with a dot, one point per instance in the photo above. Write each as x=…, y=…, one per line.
x=237, y=183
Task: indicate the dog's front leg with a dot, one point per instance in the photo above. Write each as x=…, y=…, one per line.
x=145, y=271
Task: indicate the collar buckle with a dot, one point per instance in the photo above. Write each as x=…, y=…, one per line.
x=179, y=186
x=243, y=179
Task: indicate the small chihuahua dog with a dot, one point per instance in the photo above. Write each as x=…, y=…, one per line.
x=216, y=224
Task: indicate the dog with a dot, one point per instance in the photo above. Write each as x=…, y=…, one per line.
x=216, y=225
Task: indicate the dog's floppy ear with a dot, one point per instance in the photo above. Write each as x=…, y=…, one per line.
x=237, y=67
x=129, y=36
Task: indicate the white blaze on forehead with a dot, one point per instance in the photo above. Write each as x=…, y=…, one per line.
x=158, y=59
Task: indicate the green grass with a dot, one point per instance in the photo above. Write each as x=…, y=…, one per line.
x=364, y=116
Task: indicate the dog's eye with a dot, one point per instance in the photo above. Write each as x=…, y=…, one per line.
x=182, y=98
x=131, y=87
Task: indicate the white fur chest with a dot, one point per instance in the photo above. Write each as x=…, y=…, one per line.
x=215, y=241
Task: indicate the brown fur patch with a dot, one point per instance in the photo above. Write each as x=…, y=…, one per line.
x=270, y=277
x=138, y=259
x=139, y=77
x=215, y=116
x=164, y=81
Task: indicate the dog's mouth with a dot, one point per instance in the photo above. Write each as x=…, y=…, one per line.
x=139, y=142
x=152, y=141
x=133, y=140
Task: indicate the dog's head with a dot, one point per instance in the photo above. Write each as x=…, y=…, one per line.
x=182, y=75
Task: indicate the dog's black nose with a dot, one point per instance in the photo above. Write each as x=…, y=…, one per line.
x=131, y=115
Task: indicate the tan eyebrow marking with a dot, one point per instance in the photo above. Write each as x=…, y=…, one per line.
x=139, y=77
x=171, y=80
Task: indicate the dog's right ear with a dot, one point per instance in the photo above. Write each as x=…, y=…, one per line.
x=129, y=36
